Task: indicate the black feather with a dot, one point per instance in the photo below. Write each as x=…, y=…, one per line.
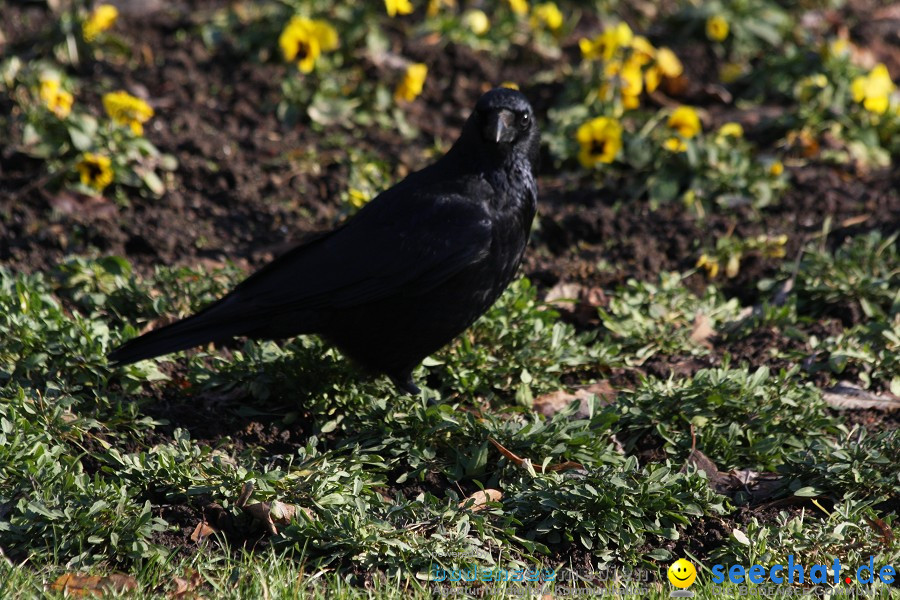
x=411, y=271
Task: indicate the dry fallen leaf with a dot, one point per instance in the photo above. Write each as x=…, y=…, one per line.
x=846, y=395
x=481, y=498
x=187, y=585
x=760, y=486
x=202, y=531
x=274, y=513
x=578, y=300
x=883, y=529
x=260, y=512
x=83, y=206
x=78, y=585
x=702, y=330
x=553, y=402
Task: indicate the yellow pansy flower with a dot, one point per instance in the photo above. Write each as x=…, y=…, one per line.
x=412, y=84
x=642, y=51
x=56, y=99
x=652, y=77
x=398, y=7
x=607, y=43
x=874, y=90
x=668, y=64
x=101, y=18
x=547, y=14
x=357, y=198
x=674, y=144
x=476, y=21
x=600, y=140
x=125, y=109
x=95, y=170
x=717, y=28
x=684, y=119
x=520, y=7
x=731, y=129
x=711, y=264
x=632, y=82
x=304, y=40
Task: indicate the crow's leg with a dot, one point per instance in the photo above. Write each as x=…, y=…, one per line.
x=405, y=383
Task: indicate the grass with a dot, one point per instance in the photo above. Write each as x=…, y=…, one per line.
x=379, y=481
x=264, y=470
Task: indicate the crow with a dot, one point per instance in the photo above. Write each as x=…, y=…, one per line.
x=409, y=272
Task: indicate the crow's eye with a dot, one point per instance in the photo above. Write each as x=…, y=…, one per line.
x=524, y=120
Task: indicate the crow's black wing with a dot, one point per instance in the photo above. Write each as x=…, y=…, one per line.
x=402, y=243
x=406, y=242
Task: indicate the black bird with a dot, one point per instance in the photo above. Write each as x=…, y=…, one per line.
x=408, y=273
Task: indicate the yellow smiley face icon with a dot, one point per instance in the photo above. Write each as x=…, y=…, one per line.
x=682, y=573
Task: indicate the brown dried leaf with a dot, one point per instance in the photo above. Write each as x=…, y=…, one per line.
x=187, y=585
x=283, y=514
x=564, y=294
x=244, y=496
x=760, y=486
x=553, y=402
x=481, y=498
x=578, y=300
x=702, y=330
x=703, y=463
x=202, y=531
x=846, y=395
x=883, y=529
x=78, y=585
x=83, y=206
x=260, y=512
x=850, y=222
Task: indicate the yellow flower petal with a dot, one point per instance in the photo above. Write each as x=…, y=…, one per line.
x=477, y=21
x=303, y=41
x=520, y=7
x=57, y=100
x=398, y=7
x=731, y=130
x=674, y=144
x=668, y=63
x=412, y=84
x=548, y=15
x=95, y=170
x=717, y=28
x=125, y=109
x=101, y=18
x=600, y=141
x=632, y=79
x=684, y=119
x=652, y=77
x=643, y=51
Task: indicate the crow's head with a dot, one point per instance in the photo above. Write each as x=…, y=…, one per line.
x=504, y=120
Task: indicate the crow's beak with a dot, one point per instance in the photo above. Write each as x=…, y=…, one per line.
x=500, y=126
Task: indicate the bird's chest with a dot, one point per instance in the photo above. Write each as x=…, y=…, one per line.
x=511, y=228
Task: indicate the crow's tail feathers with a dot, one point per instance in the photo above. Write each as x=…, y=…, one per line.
x=196, y=330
